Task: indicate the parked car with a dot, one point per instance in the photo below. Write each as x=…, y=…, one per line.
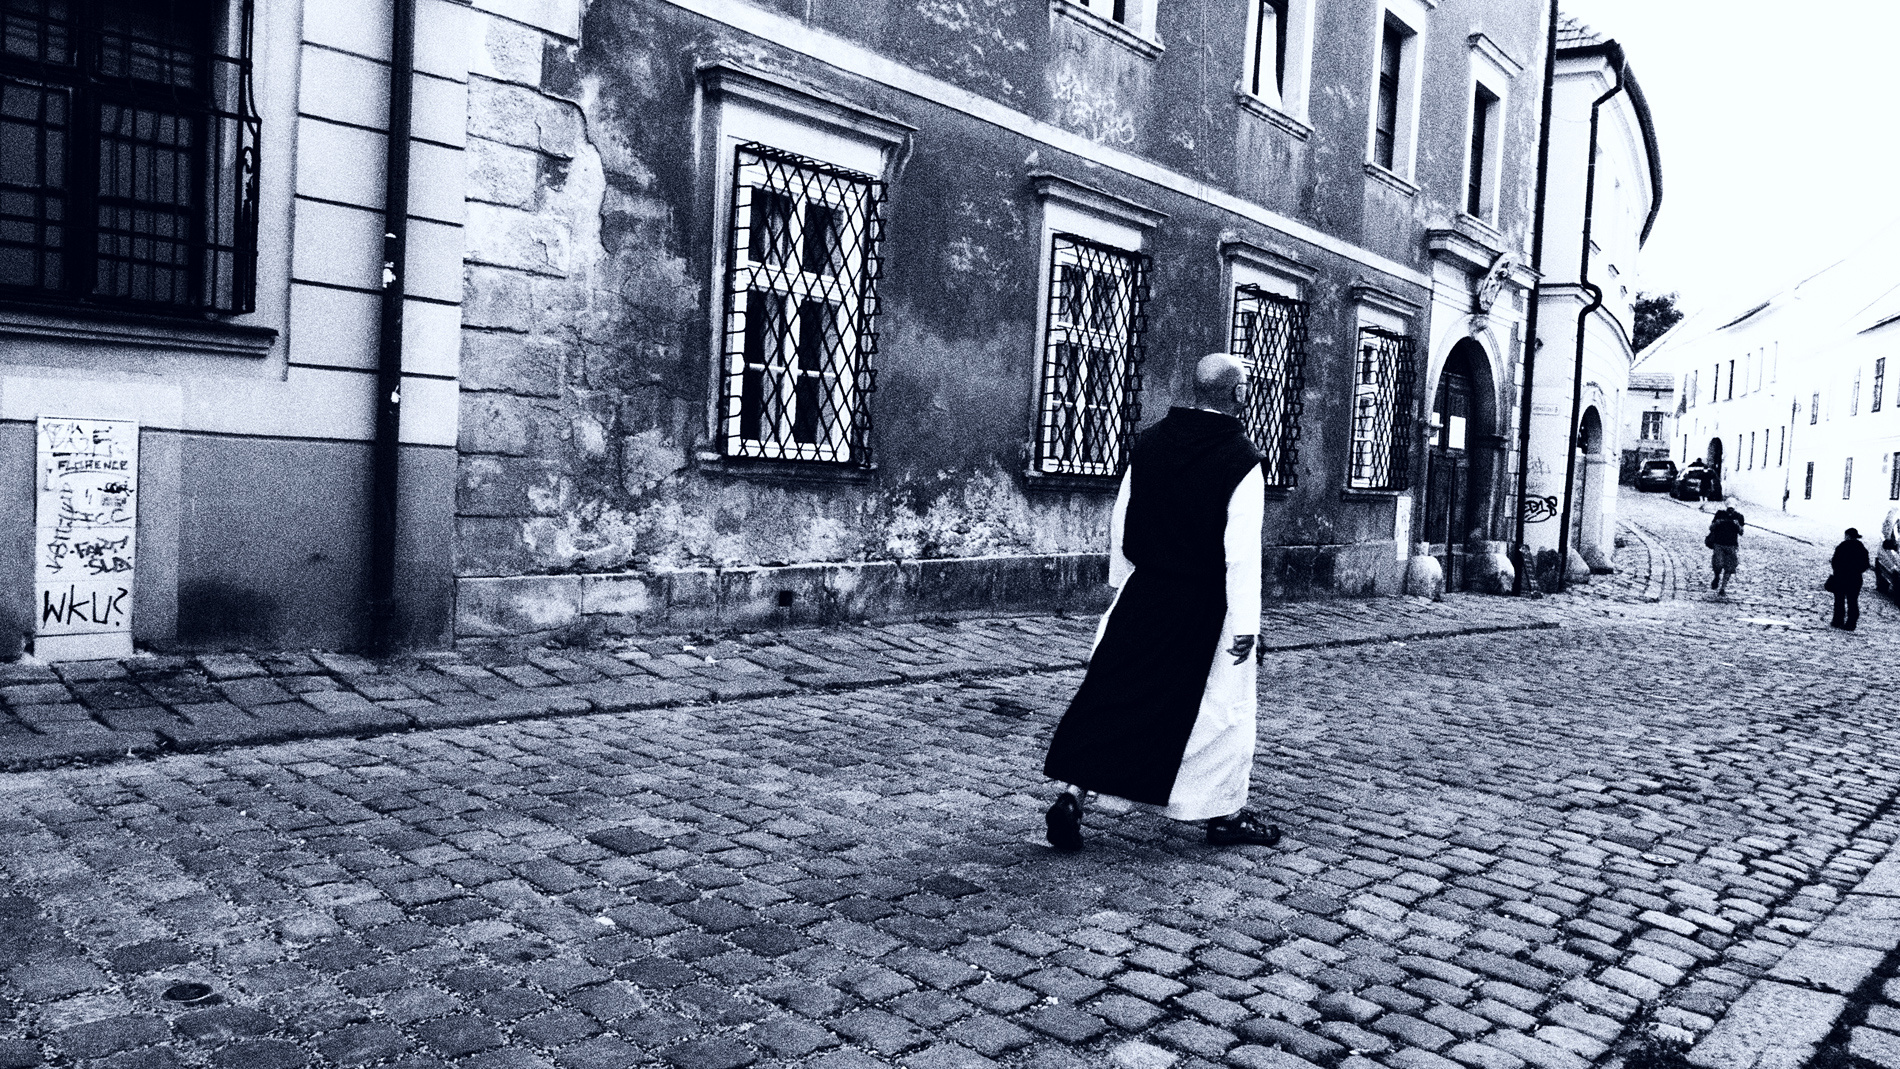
x=1693, y=484
x=1656, y=475
x=1887, y=557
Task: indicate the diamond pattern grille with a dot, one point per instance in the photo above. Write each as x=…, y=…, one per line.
x=128, y=156
x=1381, y=411
x=1269, y=334
x=1092, y=355
x=801, y=304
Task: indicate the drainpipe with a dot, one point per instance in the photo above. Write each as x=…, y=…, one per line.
x=1530, y=326
x=1596, y=302
x=385, y=447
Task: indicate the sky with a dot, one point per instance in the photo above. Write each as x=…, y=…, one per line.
x=1779, y=130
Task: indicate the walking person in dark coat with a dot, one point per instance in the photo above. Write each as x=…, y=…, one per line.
x=1725, y=535
x=1165, y=715
x=1850, y=560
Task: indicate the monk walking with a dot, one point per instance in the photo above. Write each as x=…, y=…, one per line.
x=1165, y=715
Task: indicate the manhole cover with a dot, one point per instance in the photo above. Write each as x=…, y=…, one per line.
x=189, y=993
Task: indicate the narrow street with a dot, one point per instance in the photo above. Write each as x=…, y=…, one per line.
x=1511, y=844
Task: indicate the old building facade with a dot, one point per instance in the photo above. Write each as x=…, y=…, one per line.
x=677, y=403
x=716, y=313
x=1604, y=191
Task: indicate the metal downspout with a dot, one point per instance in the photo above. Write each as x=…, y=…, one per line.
x=1596, y=302
x=386, y=446
x=1530, y=326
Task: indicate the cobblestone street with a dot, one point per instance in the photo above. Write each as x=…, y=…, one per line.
x=1599, y=828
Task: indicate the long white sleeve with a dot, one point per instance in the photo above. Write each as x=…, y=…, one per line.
x=1246, y=512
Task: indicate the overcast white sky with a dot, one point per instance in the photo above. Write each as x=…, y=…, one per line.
x=1779, y=128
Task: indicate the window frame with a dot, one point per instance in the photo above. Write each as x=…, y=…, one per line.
x=1652, y=420
x=1847, y=479
x=1113, y=226
x=1406, y=19
x=1484, y=139
x=1363, y=422
x=1880, y=383
x=1275, y=401
x=844, y=387
x=211, y=270
x=1284, y=97
x=1893, y=487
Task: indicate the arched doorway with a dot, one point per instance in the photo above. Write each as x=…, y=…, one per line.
x=1714, y=460
x=1461, y=461
x=1592, y=490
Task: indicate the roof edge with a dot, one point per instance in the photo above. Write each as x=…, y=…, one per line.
x=1613, y=52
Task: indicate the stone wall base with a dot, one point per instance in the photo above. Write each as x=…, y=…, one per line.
x=533, y=608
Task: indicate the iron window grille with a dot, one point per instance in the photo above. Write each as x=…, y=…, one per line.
x=1381, y=411
x=128, y=155
x=1880, y=383
x=1090, y=398
x=800, y=309
x=1269, y=335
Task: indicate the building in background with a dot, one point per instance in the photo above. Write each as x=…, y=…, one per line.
x=1605, y=188
x=1793, y=400
x=1649, y=421
x=191, y=220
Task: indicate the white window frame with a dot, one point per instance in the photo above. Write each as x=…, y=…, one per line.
x=1488, y=75
x=1288, y=95
x=1135, y=29
x=1373, y=310
x=1072, y=208
x=745, y=107
x=1410, y=15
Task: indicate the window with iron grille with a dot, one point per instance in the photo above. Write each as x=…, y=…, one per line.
x=1652, y=426
x=1880, y=383
x=1091, y=357
x=1269, y=335
x=1381, y=411
x=128, y=155
x=1807, y=491
x=801, y=301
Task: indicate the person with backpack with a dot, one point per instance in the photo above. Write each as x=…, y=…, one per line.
x=1725, y=535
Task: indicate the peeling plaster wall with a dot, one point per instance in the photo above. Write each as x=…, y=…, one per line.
x=586, y=374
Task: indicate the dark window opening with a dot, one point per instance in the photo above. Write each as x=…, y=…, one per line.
x=1385, y=128
x=1893, y=488
x=1483, y=105
x=1880, y=383
x=1090, y=398
x=801, y=304
x=1381, y=411
x=1847, y=479
x=1814, y=410
x=1807, y=492
x=128, y=155
x=1269, y=335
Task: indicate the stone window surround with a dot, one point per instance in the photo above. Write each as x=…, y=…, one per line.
x=1494, y=70
x=1247, y=264
x=1071, y=207
x=1135, y=32
x=1283, y=107
x=745, y=105
x=1412, y=15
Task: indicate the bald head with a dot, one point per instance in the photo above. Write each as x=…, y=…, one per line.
x=1214, y=380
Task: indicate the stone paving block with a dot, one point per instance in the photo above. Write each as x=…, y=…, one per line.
x=1827, y=966
x=1874, y=1045
x=35, y=694
x=1066, y=1023
x=1770, y=1021
x=249, y=692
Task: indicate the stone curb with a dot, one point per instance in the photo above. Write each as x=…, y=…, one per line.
x=576, y=700
x=1784, y=1016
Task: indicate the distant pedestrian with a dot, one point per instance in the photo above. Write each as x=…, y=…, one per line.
x=1850, y=560
x=1166, y=713
x=1724, y=538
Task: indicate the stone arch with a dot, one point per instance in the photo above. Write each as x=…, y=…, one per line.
x=1595, y=482
x=1465, y=459
x=1714, y=461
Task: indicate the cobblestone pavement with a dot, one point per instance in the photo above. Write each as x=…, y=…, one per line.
x=1508, y=843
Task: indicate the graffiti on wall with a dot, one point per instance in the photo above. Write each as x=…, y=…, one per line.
x=86, y=518
x=1097, y=114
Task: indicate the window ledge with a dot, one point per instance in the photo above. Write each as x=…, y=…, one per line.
x=1254, y=105
x=1146, y=47
x=1096, y=484
x=1357, y=494
x=141, y=330
x=1387, y=178
x=783, y=471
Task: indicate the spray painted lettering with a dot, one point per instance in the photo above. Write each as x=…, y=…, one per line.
x=1096, y=114
x=86, y=526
